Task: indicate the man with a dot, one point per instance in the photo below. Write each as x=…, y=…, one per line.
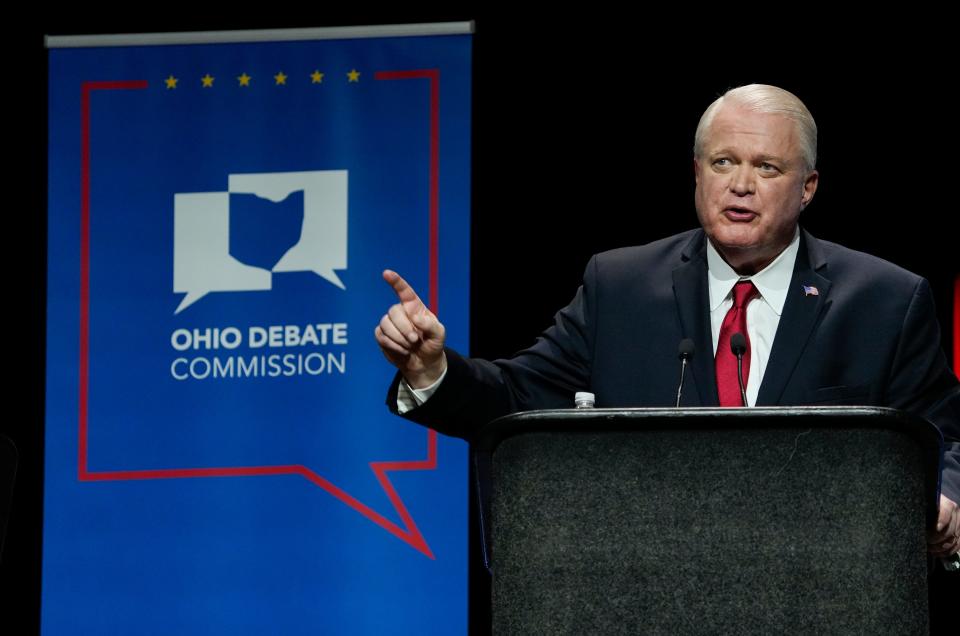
x=821, y=324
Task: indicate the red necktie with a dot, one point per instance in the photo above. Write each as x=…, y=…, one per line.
x=734, y=322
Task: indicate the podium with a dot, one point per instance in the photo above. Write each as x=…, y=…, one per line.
x=709, y=520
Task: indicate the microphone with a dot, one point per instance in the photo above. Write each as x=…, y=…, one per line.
x=685, y=353
x=738, y=345
x=951, y=563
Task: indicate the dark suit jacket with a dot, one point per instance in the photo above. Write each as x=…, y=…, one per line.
x=869, y=337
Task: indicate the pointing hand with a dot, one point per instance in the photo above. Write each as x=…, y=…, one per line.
x=411, y=337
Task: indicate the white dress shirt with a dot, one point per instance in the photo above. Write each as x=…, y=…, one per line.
x=763, y=312
x=409, y=398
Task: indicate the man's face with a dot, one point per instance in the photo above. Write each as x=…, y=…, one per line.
x=751, y=185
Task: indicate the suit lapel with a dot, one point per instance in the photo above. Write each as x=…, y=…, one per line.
x=693, y=298
x=800, y=313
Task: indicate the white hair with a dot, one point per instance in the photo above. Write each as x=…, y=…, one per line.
x=763, y=98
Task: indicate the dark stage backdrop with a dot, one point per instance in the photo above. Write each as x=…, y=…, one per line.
x=581, y=142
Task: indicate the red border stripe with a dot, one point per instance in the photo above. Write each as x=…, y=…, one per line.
x=409, y=532
x=434, y=76
x=84, y=367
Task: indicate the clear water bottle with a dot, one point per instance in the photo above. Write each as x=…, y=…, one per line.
x=584, y=400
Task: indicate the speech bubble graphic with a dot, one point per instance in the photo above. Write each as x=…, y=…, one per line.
x=322, y=247
x=201, y=250
x=209, y=230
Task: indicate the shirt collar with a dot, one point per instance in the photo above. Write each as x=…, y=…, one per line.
x=772, y=281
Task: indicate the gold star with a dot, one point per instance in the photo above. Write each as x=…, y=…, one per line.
x=353, y=75
x=280, y=78
x=316, y=77
x=207, y=80
x=244, y=79
x=171, y=82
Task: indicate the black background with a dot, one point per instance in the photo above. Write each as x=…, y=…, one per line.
x=583, y=127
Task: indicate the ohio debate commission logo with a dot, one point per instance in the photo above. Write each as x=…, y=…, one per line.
x=205, y=259
x=234, y=241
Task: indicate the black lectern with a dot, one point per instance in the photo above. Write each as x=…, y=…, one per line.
x=710, y=521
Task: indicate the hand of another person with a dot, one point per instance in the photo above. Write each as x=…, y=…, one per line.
x=946, y=539
x=411, y=337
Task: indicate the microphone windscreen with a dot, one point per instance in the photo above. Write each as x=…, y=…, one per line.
x=738, y=344
x=686, y=349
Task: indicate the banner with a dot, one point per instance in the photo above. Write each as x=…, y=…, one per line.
x=219, y=458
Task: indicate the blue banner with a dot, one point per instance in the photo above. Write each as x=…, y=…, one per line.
x=218, y=455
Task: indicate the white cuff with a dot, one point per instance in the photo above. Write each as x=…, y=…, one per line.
x=409, y=398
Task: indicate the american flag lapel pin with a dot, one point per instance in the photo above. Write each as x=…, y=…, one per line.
x=810, y=290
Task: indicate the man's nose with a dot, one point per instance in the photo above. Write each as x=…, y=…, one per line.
x=742, y=181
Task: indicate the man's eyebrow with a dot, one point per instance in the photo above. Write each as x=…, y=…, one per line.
x=754, y=158
x=776, y=158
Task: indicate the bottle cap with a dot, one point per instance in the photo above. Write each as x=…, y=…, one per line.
x=584, y=396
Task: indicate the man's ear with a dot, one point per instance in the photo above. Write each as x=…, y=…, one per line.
x=809, y=188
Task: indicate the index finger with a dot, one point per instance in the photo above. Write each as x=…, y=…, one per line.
x=401, y=287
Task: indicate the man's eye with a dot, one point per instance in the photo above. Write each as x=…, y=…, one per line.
x=768, y=167
x=721, y=162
